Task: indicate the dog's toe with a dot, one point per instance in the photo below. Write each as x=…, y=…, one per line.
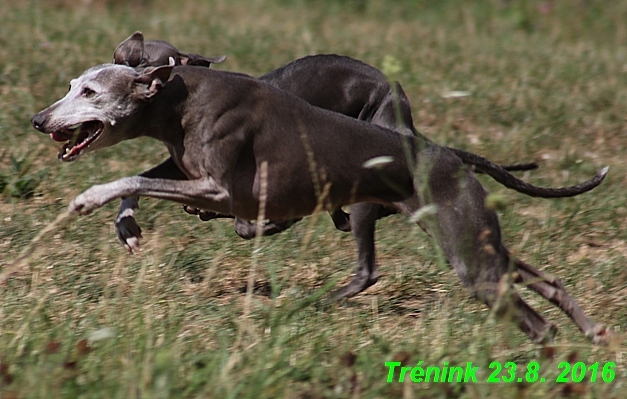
x=129, y=233
x=75, y=207
x=600, y=335
x=132, y=245
x=191, y=210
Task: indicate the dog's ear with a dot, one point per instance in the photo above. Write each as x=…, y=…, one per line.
x=199, y=60
x=151, y=81
x=131, y=51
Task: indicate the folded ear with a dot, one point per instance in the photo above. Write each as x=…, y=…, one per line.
x=131, y=51
x=199, y=60
x=151, y=81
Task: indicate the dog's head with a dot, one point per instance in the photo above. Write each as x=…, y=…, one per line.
x=90, y=115
x=136, y=52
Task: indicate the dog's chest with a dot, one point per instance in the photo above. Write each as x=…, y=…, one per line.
x=186, y=161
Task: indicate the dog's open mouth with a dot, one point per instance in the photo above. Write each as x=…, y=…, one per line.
x=78, y=138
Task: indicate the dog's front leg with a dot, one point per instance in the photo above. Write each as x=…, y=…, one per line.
x=204, y=193
x=127, y=228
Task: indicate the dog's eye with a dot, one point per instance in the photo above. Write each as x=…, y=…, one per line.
x=87, y=92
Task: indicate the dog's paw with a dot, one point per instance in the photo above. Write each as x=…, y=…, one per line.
x=599, y=335
x=82, y=205
x=191, y=210
x=201, y=213
x=90, y=200
x=129, y=232
x=207, y=215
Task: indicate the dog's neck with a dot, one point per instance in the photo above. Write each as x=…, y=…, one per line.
x=160, y=117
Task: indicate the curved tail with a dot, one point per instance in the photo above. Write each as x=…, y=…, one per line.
x=516, y=167
x=501, y=175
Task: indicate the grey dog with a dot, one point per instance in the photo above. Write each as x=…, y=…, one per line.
x=240, y=146
x=340, y=84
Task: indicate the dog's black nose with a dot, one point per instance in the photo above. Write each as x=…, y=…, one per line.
x=38, y=121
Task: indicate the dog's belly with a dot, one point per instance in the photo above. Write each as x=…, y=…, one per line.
x=285, y=199
x=279, y=199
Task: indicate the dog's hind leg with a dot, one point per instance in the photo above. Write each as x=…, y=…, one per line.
x=205, y=215
x=469, y=235
x=552, y=289
x=341, y=220
x=363, y=219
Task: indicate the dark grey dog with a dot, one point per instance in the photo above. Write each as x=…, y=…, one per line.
x=240, y=145
x=135, y=52
x=343, y=85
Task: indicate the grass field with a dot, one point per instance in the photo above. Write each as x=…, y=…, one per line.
x=82, y=318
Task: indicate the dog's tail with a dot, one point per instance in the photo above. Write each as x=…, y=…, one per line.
x=516, y=167
x=502, y=176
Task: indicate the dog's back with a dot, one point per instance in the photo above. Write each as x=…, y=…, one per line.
x=347, y=86
x=305, y=154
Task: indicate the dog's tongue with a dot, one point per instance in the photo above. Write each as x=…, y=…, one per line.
x=60, y=136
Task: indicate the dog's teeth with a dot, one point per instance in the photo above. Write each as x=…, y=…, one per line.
x=74, y=127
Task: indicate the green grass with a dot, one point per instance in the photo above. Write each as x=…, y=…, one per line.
x=84, y=319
